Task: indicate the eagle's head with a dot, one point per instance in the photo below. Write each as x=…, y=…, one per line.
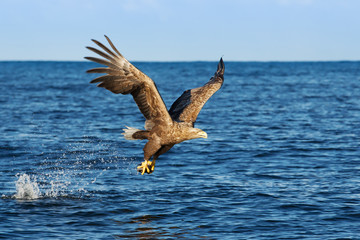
x=198, y=133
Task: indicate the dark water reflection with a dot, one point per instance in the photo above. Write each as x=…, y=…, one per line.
x=145, y=227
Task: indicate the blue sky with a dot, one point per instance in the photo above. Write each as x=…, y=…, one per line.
x=182, y=30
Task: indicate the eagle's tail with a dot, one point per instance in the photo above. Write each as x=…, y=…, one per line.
x=128, y=133
x=131, y=133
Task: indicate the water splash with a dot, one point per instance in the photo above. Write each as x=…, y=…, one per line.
x=75, y=180
x=26, y=188
x=74, y=171
x=31, y=187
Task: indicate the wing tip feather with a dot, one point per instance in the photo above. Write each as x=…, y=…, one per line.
x=113, y=46
x=221, y=67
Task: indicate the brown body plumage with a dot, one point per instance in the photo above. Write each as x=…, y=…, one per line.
x=163, y=128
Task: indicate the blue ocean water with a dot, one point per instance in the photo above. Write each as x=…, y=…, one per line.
x=282, y=158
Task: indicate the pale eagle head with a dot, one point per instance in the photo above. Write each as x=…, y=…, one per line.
x=198, y=133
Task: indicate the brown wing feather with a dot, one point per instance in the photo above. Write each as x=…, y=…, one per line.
x=187, y=107
x=122, y=77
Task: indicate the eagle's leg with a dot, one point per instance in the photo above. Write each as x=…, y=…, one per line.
x=162, y=150
x=152, y=165
x=150, y=149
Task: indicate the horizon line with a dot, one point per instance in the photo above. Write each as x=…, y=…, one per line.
x=182, y=61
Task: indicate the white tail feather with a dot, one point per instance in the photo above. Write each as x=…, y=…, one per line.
x=128, y=132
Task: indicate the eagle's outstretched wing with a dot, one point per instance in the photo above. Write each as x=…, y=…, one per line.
x=122, y=77
x=187, y=107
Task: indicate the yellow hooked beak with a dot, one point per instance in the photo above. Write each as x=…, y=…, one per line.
x=203, y=134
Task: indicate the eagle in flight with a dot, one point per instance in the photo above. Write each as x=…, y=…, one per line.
x=163, y=128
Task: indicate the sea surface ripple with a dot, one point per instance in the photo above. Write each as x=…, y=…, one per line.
x=282, y=158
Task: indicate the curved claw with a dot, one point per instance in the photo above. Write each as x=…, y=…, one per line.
x=146, y=166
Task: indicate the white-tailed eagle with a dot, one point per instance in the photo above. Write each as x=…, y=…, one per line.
x=163, y=128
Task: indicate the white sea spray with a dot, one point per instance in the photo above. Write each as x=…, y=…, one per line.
x=26, y=188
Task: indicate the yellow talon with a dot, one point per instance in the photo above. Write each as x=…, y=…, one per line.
x=146, y=166
x=152, y=164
